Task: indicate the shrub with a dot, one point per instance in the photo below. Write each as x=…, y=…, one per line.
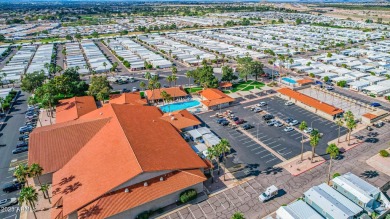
x=384, y=153
x=188, y=195
x=144, y=215
x=336, y=175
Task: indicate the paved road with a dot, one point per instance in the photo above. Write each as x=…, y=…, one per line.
x=9, y=136
x=112, y=58
x=60, y=57
x=244, y=198
x=11, y=54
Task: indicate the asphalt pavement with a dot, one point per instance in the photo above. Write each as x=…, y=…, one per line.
x=9, y=136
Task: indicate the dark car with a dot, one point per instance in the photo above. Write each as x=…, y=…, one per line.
x=268, y=117
x=22, y=144
x=372, y=134
x=220, y=120
x=371, y=140
x=235, y=118
x=369, y=128
x=288, y=120
x=20, y=150
x=247, y=126
x=379, y=124
x=240, y=121
x=375, y=104
x=11, y=187
x=23, y=137
x=225, y=123
x=124, y=90
x=2, y=115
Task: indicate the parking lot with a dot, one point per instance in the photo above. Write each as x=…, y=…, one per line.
x=9, y=137
x=249, y=157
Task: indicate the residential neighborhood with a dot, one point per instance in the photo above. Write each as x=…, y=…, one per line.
x=190, y=110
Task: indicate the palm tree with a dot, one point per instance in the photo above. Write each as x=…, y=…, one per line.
x=189, y=75
x=224, y=147
x=302, y=127
x=333, y=152
x=174, y=70
x=340, y=123
x=45, y=190
x=169, y=80
x=223, y=59
x=1, y=103
x=142, y=85
x=105, y=64
x=211, y=154
x=148, y=76
x=174, y=79
x=350, y=123
x=314, y=140
x=29, y=196
x=35, y=171
x=21, y=173
x=164, y=95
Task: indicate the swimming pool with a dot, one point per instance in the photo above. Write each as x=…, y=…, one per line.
x=289, y=80
x=179, y=106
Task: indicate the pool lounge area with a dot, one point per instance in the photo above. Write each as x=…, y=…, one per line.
x=289, y=81
x=172, y=107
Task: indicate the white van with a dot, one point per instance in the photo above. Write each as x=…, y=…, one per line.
x=268, y=193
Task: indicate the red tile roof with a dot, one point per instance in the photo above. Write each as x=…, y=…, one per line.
x=119, y=201
x=173, y=91
x=128, y=98
x=304, y=81
x=324, y=107
x=225, y=84
x=214, y=97
x=133, y=141
x=181, y=119
x=53, y=146
x=370, y=116
x=73, y=108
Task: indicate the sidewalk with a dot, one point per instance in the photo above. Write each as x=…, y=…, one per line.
x=296, y=167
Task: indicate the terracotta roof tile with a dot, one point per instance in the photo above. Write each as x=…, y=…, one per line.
x=135, y=140
x=128, y=98
x=53, y=146
x=304, y=81
x=73, y=108
x=225, y=84
x=119, y=201
x=324, y=107
x=214, y=97
x=173, y=91
x=369, y=115
x=181, y=119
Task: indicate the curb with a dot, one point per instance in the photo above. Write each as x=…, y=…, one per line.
x=309, y=168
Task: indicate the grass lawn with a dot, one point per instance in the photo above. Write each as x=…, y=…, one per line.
x=193, y=89
x=245, y=86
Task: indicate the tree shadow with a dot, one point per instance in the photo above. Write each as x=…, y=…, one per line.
x=272, y=170
x=72, y=188
x=66, y=180
x=88, y=212
x=369, y=174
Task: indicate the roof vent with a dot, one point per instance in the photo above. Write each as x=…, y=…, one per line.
x=161, y=178
x=145, y=184
x=101, y=113
x=127, y=190
x=170, y=114
x=172, y=118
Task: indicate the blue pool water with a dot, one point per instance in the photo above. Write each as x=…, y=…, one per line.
x=289, y=80
x=179, y=106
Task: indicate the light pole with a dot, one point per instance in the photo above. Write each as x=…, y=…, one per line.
x=311, y=124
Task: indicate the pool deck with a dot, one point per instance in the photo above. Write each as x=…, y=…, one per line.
x=174, y=106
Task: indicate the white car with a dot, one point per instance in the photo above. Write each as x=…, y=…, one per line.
x=8, y=202
x=289, y=103
x=268, y=193
x=294, y=122
x=257, y=110
x=308, y=130
x=288, y=129
x=278, y=124
x=261, y=104
x=135, y=89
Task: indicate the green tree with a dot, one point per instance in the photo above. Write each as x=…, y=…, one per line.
x=244, y=67
x=174, y=70
x=189, y=76
x=95, y=34
x=228, y=74
x=99, y=88
x=238, y=215
x=205, y=77
x=257, y=69
x=329, y=55
x=223, y=148
x=2, y=101
x=142, y=85
x=45, y=190
x=333, y=152
x=68, y=37
x=341, y=83
x=298, y=21
x=212, y=154
x=22, y=173
x=31, y=81
x=2, y=38
x=326, y=78
x=166, y=97
x=302, y=127
x=78, y=36
x=314, y=140
x=340, y=123
x=29, y=196
x=36, y=170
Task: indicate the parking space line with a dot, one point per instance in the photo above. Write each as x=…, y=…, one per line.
x=266, y=155
x=270, y=160
x=189, y=209
x=180, y=214
x=236, y=194
x=251, y=145
x=252, y=187
x=202, y=211
x=228, y=199
x=244, y=191
x=272, y=142
x=211, y=206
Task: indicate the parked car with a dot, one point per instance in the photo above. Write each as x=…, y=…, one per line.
x=269, y=193
x=220, y=120
x=375, y=104
x=379, y=124
x=261, y=104
x=289, y=103
x=268, y=117
x=235, y=118
x=288, y=129
x=31, y=117
x=225, y=123
x=135, y=89
x=8, y=202
x=294, y=122
x=257, y=110
x=240, y=121
x=371, y=140
x=247, y=126
x=372, y=134
x=289, y=119
x=278, y=124
x=23, y=137
x=125, y=90
x=2, y=115
x=369, y=128
x=308, y=130
x=22, y=144
x=271, y=122
x=26, y=128
x=20, y=150
x=329, y=88
x=11, y=187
